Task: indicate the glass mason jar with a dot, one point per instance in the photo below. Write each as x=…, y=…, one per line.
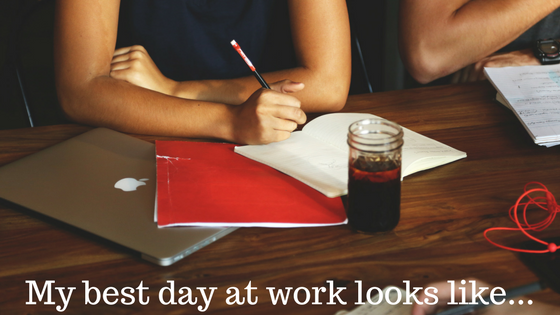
x=374, y=175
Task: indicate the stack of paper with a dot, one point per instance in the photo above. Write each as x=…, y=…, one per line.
x=533, y=94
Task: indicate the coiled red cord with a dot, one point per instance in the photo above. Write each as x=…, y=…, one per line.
x=546, y=202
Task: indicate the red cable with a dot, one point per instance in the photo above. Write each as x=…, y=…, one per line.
x=546, y=202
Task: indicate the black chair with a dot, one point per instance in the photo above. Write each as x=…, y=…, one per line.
x=28, y=91
x=367, y=24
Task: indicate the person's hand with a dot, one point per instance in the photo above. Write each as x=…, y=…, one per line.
x=134, y=65
x=475, y=72
x=444, y=296
x=269, y=115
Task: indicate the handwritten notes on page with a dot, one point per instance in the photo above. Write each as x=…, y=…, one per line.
x=384, y=307
x=318, y=155
x=533, y=94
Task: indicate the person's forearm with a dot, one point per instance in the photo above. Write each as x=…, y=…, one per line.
x=91, y=90
x=438, y=38
x=325, y=91
x=119, y=105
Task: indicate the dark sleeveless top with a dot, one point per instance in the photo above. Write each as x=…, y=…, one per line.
x=190, y=39
x=549, y=27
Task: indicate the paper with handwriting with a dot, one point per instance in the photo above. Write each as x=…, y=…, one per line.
x=533, y=93
x=384, y=307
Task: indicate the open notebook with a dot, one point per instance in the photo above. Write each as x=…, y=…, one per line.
x=318, y=155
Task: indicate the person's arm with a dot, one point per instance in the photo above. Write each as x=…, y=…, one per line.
x=321, y=35
x=475, y=71
x=85, y=37
x=439, y=37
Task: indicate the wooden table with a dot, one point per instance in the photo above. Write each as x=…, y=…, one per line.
x=439, y=238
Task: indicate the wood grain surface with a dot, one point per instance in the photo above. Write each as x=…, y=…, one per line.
x=444, y=213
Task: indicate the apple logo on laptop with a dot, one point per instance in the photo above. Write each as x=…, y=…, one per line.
x=130, y=184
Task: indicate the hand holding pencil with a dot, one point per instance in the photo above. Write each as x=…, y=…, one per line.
x=269, y=114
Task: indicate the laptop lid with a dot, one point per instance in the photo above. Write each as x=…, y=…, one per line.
x=76, y=180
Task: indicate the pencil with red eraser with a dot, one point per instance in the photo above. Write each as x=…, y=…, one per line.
x=250, y=64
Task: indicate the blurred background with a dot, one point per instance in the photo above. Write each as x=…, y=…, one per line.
x=26, y=58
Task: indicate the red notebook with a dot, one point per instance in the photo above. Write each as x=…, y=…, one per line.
x=208, y=184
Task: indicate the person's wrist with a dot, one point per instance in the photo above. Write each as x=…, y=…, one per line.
x=226, y=128
x=171, y=87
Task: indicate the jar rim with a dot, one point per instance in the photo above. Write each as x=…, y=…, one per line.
x=386, y=136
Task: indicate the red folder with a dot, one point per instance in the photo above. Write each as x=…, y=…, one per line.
x=208, y=184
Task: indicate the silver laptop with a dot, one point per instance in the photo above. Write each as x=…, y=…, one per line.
x=74, y=182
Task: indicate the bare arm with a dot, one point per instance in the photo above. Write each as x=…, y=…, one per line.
x=85, y=36
x=321, y=36
x=439, y=37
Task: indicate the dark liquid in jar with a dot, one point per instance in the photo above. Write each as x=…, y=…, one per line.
x=374, y=198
